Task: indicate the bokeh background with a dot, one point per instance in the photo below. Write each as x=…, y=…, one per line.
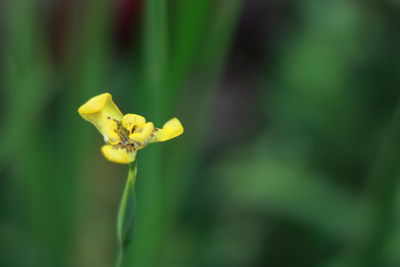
x=291, y=150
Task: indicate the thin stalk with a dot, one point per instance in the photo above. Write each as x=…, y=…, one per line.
x=190, y=26
x=150, y=225
x=155, y=54
x=212, y=63
x=126, y=213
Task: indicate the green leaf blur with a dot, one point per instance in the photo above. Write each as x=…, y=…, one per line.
x=291, y=150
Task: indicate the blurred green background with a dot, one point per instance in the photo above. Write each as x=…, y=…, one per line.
x=291, y=151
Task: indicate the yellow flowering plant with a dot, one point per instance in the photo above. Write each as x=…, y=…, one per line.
x=124, y=135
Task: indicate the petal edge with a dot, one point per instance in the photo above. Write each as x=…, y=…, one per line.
x=118, y=154
x=171, y=129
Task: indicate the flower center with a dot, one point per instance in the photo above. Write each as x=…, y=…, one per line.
x=125, y=142
x=123, y=133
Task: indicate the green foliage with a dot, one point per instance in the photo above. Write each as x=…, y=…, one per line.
x=290, y=151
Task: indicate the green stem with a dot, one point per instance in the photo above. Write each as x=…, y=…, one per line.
x=126, y=213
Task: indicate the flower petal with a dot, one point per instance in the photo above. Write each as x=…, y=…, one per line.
x=171, y=129
x=110, y=134
x=131, y=120
x=142, y=134
x=99, y=111
x=118, y=154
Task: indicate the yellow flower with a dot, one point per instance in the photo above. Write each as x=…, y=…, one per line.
x=124, y=134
